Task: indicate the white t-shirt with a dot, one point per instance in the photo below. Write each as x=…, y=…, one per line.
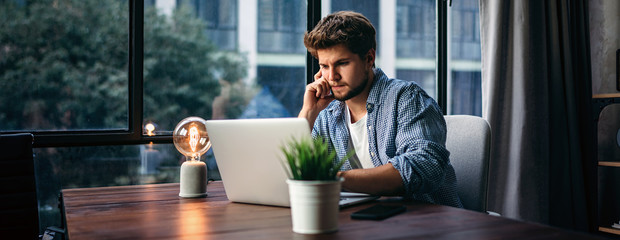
x=359, y=139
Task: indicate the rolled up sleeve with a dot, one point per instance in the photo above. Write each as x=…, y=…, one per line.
x=420, y=154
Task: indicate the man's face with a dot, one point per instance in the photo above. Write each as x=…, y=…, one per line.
x=347, y=73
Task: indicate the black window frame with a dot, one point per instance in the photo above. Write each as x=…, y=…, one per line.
x=134, y=134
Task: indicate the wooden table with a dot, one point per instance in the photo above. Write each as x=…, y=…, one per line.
x=157, y=212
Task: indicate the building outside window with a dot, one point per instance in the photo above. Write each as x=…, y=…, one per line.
x=220, y=17
x=415, y=28
x=464, y=83
x=465, y=31
x=281, y=25
x=415, y=43
x=281, y=66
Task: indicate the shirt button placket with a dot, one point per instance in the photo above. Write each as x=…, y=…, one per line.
x=369, y=107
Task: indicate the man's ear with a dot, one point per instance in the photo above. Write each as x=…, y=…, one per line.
x=370, y=57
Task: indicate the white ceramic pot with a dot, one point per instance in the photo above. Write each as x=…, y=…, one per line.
x=314, y=205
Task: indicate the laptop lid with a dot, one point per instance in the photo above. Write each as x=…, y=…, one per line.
x=248, y=155
x=250, y=161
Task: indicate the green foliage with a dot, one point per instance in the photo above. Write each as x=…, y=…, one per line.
x=312, y=160
x=64, y=64
x=178, y=72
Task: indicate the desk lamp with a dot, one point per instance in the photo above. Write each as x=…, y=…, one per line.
x=190, y=137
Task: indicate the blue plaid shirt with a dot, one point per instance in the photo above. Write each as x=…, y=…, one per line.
x=405, y=128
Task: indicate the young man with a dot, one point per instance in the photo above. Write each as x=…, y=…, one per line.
x=397, y=130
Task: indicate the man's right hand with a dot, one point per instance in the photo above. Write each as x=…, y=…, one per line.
x=316, y=98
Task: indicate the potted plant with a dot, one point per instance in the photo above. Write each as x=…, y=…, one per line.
x=314, y=187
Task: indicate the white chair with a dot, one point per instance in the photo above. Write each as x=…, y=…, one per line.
x=469, y=142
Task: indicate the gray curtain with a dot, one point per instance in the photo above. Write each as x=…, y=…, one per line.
x=537, y=98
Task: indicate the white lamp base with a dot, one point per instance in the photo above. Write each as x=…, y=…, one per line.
x=193, y=179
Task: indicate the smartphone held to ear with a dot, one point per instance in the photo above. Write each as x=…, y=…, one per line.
x=378, y=212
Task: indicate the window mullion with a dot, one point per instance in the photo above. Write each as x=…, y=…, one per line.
x=314, y=16
x=442, y=53
x=136, y=56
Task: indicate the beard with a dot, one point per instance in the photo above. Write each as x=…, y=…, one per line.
x=355, y=91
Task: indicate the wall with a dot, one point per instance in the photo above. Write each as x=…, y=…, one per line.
x=604, y=41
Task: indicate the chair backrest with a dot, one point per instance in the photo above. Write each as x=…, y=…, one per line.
x=469, y=142
x=18, y=206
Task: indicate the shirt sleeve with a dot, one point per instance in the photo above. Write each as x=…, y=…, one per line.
x=421, y=156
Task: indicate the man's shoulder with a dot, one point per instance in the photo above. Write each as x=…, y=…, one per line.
x=384, y=83
x=392, y=90
x=393, y=87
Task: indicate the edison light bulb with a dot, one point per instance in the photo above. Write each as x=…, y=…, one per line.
x=190, y=137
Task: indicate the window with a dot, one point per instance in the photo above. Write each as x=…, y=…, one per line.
x=63, y=70
x=415, y=27
x=280, y=25
x=220, y=17
x=184, y=71
x=214, y=54
x=466, y=93
x=464, y=82
x=416, y=43
x=87, y=84
x=281, y=59
x=465, y=31
x=287, y=94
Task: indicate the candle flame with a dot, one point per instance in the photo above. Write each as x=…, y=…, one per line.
x=149, y=129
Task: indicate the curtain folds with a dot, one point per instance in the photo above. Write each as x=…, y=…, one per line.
x=537, y=98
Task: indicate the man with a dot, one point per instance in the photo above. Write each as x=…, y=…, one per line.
x=397, y=130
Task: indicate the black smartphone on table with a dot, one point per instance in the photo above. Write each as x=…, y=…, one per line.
x=378, y=212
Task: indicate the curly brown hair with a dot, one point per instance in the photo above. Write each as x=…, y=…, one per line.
x=344, y=27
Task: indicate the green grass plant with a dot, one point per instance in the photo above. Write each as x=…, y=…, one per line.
x=310, y=159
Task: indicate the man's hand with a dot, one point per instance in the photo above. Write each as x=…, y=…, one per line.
x=316, y=98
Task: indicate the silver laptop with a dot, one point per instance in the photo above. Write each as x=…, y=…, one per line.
x=249, y=158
